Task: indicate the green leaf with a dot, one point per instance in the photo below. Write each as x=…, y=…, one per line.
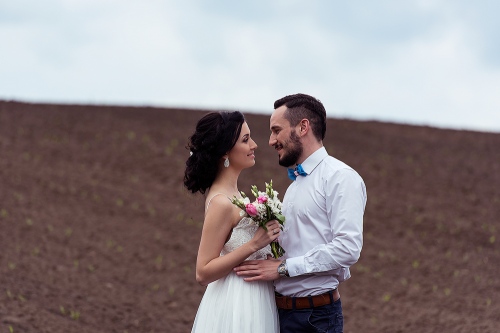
x=280, y=218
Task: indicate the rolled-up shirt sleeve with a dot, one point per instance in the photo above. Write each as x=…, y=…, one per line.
x=345, y=201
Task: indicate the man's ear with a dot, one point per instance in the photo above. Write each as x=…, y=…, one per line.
x=304, y=127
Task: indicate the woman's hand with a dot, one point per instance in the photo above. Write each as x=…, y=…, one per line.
x=263, y=237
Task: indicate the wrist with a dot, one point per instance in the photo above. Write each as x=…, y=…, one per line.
x=252, y=247
x=283, y=269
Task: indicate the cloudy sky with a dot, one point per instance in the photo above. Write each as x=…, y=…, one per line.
x=429, y=62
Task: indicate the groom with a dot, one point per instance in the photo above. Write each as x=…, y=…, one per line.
x=324, y=207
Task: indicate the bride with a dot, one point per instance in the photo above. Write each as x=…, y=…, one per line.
x=221, y=147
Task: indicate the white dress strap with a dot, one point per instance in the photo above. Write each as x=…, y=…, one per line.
x=208, y=203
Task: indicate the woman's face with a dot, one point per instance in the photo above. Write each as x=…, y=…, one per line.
x=242, y=154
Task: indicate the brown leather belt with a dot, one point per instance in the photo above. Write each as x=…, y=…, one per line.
x=288, y=303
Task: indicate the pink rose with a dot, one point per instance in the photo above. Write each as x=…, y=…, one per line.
x=262, y=199
x=251, y=209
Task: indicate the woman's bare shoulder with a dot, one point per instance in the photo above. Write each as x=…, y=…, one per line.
x=218, y=203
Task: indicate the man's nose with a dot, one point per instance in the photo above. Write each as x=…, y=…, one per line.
x=272, y=140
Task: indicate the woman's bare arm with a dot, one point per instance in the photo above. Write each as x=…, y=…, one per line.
x=220, y=219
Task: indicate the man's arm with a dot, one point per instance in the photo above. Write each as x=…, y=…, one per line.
x=259, y=270
x=345, y=196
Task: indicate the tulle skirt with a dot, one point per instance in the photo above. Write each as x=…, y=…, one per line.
x=231, y=305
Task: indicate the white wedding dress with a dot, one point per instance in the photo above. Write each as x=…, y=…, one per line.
x=232, y=305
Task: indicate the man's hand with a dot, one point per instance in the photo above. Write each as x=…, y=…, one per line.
x=259, y=270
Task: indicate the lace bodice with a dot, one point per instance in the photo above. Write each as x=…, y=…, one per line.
x=242, y=233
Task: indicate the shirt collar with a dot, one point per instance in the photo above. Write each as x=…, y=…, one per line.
x=314, y=159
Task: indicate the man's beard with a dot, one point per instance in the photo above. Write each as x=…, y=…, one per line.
x=294, y=150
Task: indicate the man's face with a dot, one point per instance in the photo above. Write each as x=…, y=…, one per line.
x=284, y=138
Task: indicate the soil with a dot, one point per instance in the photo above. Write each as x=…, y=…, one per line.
x=98, y=233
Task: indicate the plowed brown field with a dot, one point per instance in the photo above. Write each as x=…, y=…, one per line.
x=97, y=233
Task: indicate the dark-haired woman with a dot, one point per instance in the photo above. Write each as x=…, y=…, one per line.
x=221, y=148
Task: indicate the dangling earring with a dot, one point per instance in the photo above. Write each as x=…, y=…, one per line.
x=226, y=162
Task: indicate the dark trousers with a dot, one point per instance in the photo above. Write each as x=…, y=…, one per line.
x=324, y=319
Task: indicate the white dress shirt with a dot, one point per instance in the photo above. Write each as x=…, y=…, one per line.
x=323, y=231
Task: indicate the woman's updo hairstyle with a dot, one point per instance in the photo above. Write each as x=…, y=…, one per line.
x=216, y=133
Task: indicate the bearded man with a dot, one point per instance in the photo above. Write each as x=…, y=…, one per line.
x=323, y=231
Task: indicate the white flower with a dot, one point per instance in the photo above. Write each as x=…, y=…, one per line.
x=268, y=208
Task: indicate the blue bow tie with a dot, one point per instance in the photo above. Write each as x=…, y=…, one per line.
x=292, y=174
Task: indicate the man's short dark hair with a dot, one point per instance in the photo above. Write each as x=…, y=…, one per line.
x=300, y=106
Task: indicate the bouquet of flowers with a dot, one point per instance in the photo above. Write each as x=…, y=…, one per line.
x=265, y=208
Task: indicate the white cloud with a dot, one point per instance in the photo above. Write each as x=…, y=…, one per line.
x=421, y=61
x=437, y=79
